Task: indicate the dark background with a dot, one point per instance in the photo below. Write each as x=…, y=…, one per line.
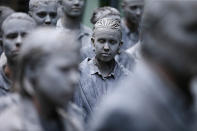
x=22, y=5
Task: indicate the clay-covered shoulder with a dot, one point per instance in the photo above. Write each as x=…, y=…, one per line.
x=10, y=119
x=87, y=29
x=84, y=65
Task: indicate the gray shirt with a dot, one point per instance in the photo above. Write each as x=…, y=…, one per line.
x=146, y=102
x=93, y=85
x=84, y=38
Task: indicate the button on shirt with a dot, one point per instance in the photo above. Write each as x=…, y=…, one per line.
x=93, y=85
x=129, y=38
x=84, y=38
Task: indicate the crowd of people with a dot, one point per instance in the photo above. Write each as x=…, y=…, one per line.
x=132, y=73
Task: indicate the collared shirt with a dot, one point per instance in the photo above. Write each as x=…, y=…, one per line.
x=126, y=60
x=145, y=101
x=129, y=38
x=5, y=82
x=84, y=37
x=93, y=85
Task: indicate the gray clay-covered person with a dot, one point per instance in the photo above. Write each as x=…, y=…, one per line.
x=46, y=79
x=132, y=10
x=4, y=13
x=158, y=96
x=109, y=12
x=14, y=29
x=100, y=74
x=99, y=13
x=44, y=12
x=71, y=23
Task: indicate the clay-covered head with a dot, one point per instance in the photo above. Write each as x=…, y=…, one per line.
x=107, y=38
x=104, y=12
x=133, y=10
x=45, y=12
x=169, y=33
x=14, y=29
x=73, y=8
x=48, y=66
x=4, y=13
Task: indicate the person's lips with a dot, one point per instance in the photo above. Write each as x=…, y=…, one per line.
x=15, y=53
x=105, y=54
x=76, y=9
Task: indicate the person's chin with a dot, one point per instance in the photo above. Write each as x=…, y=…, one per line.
x=106, y=59
x=75, y=14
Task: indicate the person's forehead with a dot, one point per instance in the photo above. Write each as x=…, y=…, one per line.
x=15, y=25
x=134, y=2
x=64, y=59
x=48, y=6
x=106, y=33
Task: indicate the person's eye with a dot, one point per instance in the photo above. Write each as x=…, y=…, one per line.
x=64, y=69
x=12, y=36
x=41, y=14
x=133, y=7
x=112, y=42
x=53, y=15
x=23, y=34
x=101, y=41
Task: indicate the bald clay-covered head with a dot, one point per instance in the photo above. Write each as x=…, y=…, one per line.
x=132, y=10
x=104, y=12
x=169, y=33
x=73, y=8
x=45, y=12
x=4, y=13
x=15, y=28
x=49, y=65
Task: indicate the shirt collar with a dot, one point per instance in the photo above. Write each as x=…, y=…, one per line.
x=94, y=70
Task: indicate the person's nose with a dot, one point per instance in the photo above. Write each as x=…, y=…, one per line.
x=106, y=47
x=76, y=2
x=139, y=11
x=18, y=41
x=74, y=76
x=48, y=20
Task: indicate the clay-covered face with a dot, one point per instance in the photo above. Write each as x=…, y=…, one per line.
x=13, y=35
x=133, y=10
x=73, y=8
x=106, y=43
x=45, y=15
x=57, y=78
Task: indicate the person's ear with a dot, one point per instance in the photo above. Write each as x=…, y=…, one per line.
x=93, y=43
x=28, y=86
x=120, y=44
x=123, y=5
